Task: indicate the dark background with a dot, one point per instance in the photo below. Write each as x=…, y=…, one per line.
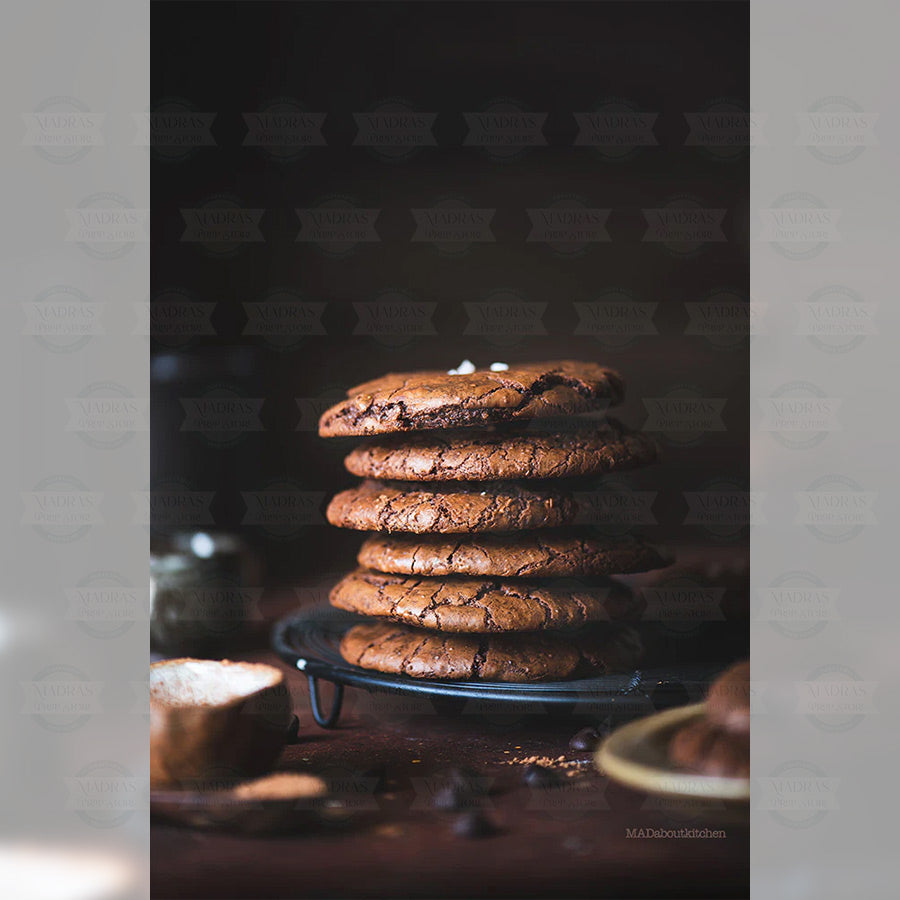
x=447, y=58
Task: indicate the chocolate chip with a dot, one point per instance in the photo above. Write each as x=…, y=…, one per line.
x=473, y=824
x=538, y=776
x=585, y=741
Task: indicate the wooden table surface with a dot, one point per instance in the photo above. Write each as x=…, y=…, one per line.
x=388, y=757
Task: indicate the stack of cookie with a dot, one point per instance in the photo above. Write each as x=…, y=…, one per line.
x=477, y=569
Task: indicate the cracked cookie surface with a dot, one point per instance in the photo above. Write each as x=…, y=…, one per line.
x=608, y=446
x=402, y=650
x=414, y=401
x=534, y=554
x=449, y=508
x=480, y=605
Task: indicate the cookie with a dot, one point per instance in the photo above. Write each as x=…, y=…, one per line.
x=478, y=605
x=728, y=700
x=705, y=748
x=449, y=507
x=414, y=401
x=535, y=555
x=402, y=650
x=495, y=455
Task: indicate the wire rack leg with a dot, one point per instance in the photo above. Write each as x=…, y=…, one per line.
x=323, y=720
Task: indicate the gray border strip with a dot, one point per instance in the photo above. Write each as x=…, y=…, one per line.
x=73, y=621
x=824, y=194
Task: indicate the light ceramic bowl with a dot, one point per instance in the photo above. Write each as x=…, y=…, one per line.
x=637, y=756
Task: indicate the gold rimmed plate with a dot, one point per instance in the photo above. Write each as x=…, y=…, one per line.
x=637, y=756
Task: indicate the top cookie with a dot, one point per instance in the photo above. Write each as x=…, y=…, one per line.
x=495, y=455
x=415, y=401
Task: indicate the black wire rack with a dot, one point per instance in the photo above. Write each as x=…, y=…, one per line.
x=308, y=640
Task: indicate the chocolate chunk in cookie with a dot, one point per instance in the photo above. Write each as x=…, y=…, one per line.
x=479, y=605
x=402, y=650
x=450, y=507
x=498, y=454
x=535, y=554
x=414, y=401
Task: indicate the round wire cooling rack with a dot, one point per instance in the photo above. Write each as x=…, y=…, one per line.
x=308, y=640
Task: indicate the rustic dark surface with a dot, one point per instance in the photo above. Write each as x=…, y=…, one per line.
x=391, y=756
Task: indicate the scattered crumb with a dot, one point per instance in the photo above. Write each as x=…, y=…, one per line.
x=389, y=831
x=570, y=766
x=416, y=760
x=281, y=786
